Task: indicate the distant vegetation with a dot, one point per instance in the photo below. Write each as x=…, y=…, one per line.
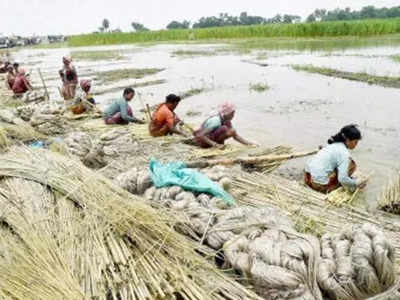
x=258, y=87
x=97, y=55
x=368, y=21
x=367, y=12
x=316, y=29
x=319, y=15
x=385, y=81
x=121, y=74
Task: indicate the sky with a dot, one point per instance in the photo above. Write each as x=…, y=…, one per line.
x=41, y=17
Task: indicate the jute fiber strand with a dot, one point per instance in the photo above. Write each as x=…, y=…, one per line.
x=305, y=204
x=264, y=248
x=123, y=248
x=48, y=119
x=257, y=242
x=356, y=264
x=261, y=244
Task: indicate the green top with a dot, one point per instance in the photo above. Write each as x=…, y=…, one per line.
x=120, y=106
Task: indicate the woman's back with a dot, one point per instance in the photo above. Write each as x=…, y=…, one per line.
x=326, y=161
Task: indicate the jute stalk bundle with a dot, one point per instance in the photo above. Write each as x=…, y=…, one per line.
x=390, y=198
x=161, y=262
x=254, y=160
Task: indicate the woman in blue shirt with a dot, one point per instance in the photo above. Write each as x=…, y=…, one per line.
x=333, y=166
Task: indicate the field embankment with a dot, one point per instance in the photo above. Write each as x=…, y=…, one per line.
x=386, y=81
x=359, y=28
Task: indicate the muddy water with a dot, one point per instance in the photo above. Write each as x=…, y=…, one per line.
x=299, y=109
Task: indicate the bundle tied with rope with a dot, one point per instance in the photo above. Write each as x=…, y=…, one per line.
x=260, y=244
x=356, y=264
x=98, y=152
x=49, y=120
x=198, y=207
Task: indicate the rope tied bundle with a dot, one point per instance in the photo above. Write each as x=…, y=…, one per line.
x=356, y=264
x=260, y=244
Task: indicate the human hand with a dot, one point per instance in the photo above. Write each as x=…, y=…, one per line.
x=219, y=146
x=255, y=145
x=361, y=183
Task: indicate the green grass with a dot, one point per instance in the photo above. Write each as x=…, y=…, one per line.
x=262, y=56
x=193, y=113
x=192, y=53
x=396, y=58
x=97, y=55
x=49, y=46
x=259, y=87
x=135, y=85
x=360, y=28
x=121, y=74
x=191, y=92
x=385, y=81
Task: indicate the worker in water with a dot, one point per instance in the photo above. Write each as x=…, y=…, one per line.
x=164, y=120
x=333, y=166
x=218, y=128
x=21, y=84
x=69, y=78
x=4, y=67
x=83, y=101
x=120, y=112
x=10, y=79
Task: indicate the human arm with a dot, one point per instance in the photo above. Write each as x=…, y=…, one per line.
x=343, y=173
x=62, y=75
x=172, y=125
x=242, y=140
x=125, y=116
x=74, y=75
x=27, y=83
x=202, y=135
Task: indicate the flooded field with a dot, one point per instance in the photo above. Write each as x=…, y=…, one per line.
x=275, y=103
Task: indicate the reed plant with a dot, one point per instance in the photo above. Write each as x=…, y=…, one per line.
x=360, y=28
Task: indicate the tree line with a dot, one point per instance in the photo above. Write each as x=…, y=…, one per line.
x=367, y=12
x=319, y=15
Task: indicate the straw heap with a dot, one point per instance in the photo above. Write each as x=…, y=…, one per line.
x=104, y=243
x=390, y=198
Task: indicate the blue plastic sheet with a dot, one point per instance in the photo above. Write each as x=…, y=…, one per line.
x=176, y=173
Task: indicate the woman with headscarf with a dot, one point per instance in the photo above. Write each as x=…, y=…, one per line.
x=83, y=101
x=69, y=78
x=218, y=128
x=21, y=84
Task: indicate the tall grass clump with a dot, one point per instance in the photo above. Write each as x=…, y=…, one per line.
x=359, y=28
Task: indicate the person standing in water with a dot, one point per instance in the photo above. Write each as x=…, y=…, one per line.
x=69, y=78
x=333, y=166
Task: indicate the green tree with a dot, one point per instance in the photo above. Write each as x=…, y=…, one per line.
x=291, y=19
x=178, y=25
x=106, y=24
x=138, y=27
